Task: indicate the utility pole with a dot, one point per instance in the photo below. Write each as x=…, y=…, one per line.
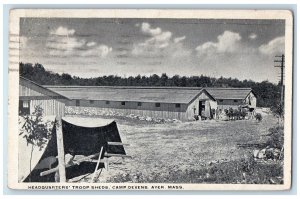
x=281, y=62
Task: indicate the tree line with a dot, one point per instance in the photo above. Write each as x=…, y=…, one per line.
x=268, y=94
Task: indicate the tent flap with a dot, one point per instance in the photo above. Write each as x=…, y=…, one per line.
x=78, y=140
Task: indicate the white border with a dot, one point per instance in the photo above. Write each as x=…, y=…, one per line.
x=153, y=13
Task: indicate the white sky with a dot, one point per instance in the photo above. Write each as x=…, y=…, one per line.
x=242, y=49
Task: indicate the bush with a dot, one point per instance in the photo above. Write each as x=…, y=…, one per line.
x=226, y=111
x=278, y=110
x=229, y=113
x=35, y=131
x=243, y=113
x=276, y=137
x=258, y=117
x=236, y=114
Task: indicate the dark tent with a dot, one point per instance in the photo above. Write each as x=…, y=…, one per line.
x=87, y=141
x=80, y=140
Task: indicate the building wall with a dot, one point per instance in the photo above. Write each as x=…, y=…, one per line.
x=50, y=106
x=235, y=103
x=92, y=111
x=35, y=95
x=171, y=107
x=146, y=109
x=251, y=100
x=28, y=91
x=229, y=103
x=27, y=88
x=193, y=107
x=213, y=103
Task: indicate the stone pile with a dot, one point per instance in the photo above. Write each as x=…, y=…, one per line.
x=90, y=111
x=268, y=154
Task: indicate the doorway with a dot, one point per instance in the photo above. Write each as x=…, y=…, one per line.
x=201, y=107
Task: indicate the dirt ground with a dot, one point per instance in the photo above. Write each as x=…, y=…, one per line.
x=161, y=148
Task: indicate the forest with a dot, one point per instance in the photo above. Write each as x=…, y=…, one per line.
x=268, y=94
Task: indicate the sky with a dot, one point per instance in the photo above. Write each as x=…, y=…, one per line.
x=242, y=49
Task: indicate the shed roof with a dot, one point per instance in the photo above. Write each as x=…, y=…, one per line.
x=41, y=88
x=229, y=93
x=138, y=94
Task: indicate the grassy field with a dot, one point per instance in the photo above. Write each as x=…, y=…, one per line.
x=175, y=152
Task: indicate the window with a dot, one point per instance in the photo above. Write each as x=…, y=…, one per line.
x=91, y=101
x=139, y=103
x=107, y=102
x=123, y=103
x=24, y=107
x=157, y=104
x=220, y=100
x=177, y=105
x=77, y=102
x=25, y=104
x=235, y=100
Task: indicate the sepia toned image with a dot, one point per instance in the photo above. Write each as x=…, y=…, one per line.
x=150, y=100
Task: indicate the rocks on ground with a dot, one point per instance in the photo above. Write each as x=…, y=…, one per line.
x=268, y=153
x=90, y=111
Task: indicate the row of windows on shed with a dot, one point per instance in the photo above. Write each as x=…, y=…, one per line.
x=222, y=100
x=123, y=103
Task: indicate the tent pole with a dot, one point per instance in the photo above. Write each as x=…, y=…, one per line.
x=98, y=162
x=60, y=150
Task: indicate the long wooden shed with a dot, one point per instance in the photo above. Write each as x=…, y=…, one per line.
x=32, y=94
x=233, y=97
x=158, y=102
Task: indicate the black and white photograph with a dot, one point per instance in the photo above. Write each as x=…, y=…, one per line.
x=150, y=99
